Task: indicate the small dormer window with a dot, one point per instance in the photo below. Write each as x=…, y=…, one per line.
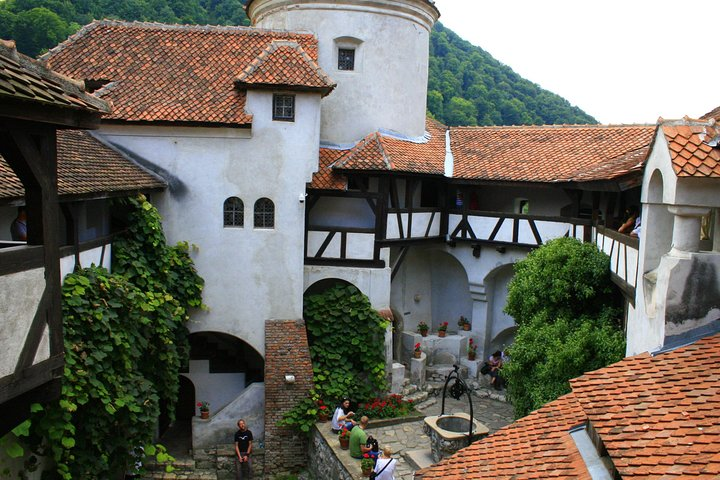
x=284, y=107
x=346, y=59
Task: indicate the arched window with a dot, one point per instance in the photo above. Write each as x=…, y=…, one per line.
x=233, y=212
x=264, y=213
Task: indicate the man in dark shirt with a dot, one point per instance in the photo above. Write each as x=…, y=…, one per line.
x=243, y=449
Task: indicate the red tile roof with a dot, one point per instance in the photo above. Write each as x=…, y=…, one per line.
x=86, y=167
x=383, y=152
x=657, y=416
x=714, y=114
x=694, y=148
x=577, y=153
x=170, y=73
x=325, y=178
x=22, y=78
x=285, y=64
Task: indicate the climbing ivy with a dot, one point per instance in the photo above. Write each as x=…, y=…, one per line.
x=347, y=344
x=347, y=348
x=125, y=341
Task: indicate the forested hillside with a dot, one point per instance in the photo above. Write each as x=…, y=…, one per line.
x=466, y=86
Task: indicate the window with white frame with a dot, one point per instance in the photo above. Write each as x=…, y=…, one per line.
x=264, y=213
x=233, y=212
x=284, y=107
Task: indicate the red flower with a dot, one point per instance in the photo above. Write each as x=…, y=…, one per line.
x=366, y=456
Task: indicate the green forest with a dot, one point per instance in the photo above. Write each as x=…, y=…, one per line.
x=467, y=86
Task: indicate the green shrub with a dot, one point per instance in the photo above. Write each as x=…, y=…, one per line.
x=563, y=301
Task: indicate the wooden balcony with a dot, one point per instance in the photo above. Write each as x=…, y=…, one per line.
x=30, y=367
x=623, y=251
x=342, y=246
x=510, y=229
x=415, y=224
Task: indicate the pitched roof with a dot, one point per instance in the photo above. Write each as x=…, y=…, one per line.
x=86, y=166
x=694, y=148
x=565, y=153
x=172, y=73
x=714, y=114
x=384, y=152
x=326, y=178
x=285, y=64
x=24, y=79
x=657, y=416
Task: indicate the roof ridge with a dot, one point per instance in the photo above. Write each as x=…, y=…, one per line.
x=554, y=127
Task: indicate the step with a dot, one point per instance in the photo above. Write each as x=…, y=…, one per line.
x=196, y=475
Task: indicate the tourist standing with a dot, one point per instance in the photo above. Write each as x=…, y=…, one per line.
x=243, y=450
x=18, y=228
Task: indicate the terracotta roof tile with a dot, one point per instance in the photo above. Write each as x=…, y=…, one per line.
x=712, y=114
x=694, y=147
x=325, y=178
x=170, y=73
x=657, y=416
x=286, y=64
x=577, y=153
x=22, y=78
x=536, y=446
x=384, y=152
x=86, y=166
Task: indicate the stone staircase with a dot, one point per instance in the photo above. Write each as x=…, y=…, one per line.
x=206, y=464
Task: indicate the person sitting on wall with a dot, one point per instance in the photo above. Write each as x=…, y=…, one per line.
x=18, y=228
x=492, y=367
x=374, y=452
x=358, y=439
x=631, y=220
x=342, y=418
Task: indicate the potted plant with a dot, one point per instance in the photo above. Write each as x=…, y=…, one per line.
x=367, y=464
x=472, y=350
x=204, y=409
x=423, y=329
x=323, y=412
x=344, y=438
x=417, y=352
x=442, y=329
x=464, y=323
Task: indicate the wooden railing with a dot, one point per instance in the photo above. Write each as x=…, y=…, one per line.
x=341, y=246
x=515, y=229
x=623, y=252
x=415, y=224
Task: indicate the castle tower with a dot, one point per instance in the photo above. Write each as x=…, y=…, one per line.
x=376, y=50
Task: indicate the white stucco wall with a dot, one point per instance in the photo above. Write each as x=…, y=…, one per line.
x=218, y=389
x=20, y=294
x=543, y=201
x=388, y=87
x=373, y=282
x=251, y=274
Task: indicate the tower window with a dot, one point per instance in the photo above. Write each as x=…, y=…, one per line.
x=346, y=59
x=264, y=213
x=284, y=107
x=233, y=210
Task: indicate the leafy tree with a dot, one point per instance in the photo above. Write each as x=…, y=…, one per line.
x=37, y=29
x=461, y=112
x=562, y=299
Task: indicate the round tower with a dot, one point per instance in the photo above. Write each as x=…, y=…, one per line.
x=376, y=50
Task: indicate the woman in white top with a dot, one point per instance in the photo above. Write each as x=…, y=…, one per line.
x=386, y=464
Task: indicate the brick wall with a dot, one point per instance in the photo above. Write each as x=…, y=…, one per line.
x=286, y=353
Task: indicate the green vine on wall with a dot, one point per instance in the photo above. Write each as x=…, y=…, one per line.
x=347, y=348
x=125, y=342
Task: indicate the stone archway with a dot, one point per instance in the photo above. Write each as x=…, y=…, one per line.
x=498, y=322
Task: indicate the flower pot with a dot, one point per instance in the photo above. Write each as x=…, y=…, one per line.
x=204, y=414
x=471, y=356
x=366, y=472
x=466, y=327
x=441, y=333
x=323, y=417
x=417, y=354
x=345, y=443
x=423, y=333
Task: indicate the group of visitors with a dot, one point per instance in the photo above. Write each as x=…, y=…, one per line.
x=632, y=224
x=361, y=443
